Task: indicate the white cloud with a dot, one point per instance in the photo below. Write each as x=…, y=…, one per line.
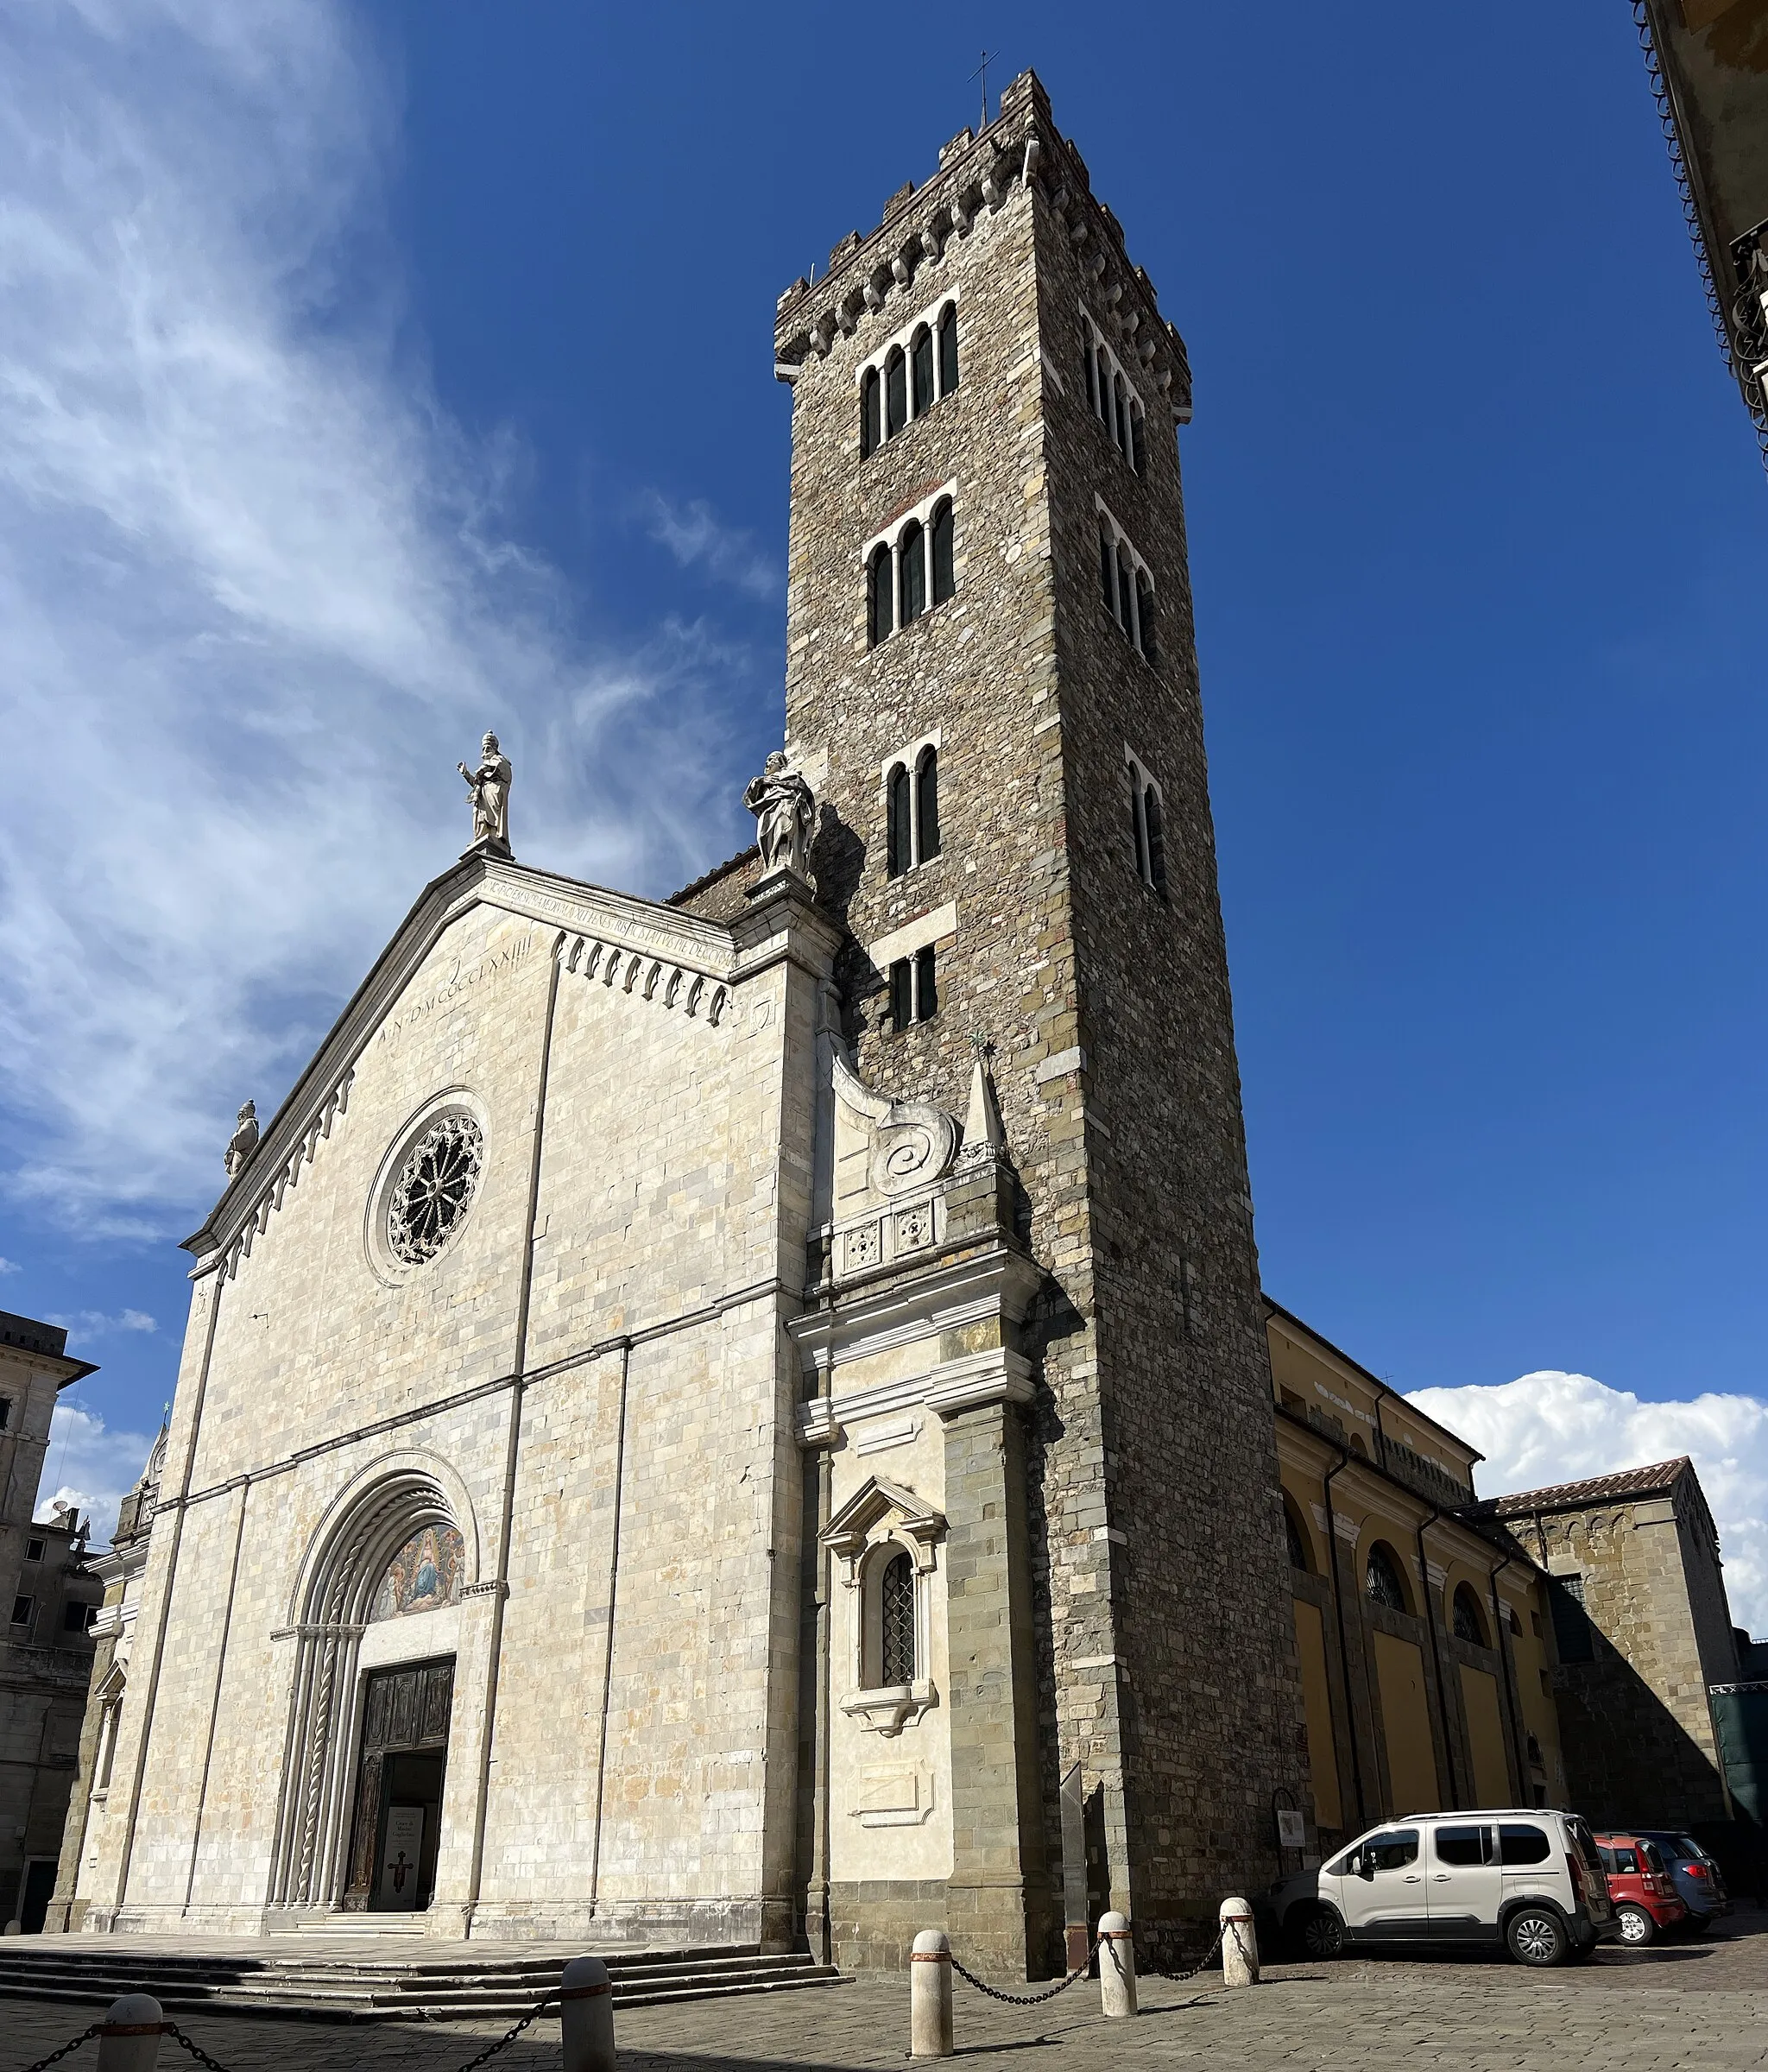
x=10, y=1266
x=90, y=1467
x=1552, y=1427
x=87, y=1324
x=257, y=598
x=697, y=537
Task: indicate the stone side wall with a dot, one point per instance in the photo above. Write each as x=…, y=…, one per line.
x=1635, y=1720
x=1169, y=1507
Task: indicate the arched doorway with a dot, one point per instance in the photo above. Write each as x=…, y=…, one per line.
x=360, y=1818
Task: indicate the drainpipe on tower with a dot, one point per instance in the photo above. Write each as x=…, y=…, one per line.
x=1350, y=1709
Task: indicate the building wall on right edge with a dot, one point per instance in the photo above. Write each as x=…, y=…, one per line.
x=1635, y=1720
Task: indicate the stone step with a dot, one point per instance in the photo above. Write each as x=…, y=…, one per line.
x=339, y=1992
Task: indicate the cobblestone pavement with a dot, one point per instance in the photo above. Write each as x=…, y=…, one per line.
x=1703, y=2006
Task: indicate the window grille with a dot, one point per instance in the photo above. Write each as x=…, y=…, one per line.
x=1465, y=1617
x=1381, y=1580
x=21, y=1609
x=896, y=1621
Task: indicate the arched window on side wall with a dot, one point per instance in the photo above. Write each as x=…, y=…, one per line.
x=1121, y=390
x=912, y=552
x=1145, y=613
x=944, y=566
x=1382, y=1580
x=877, y=598
x=921, y=361
x=896, y=1623
x=926, y=805
x=895, y=393
x=1107, y=570
x=1465, y=1619
x=1138, y=438
x=948, y=348
x=871, y=414
x=1126, y=594
x=1297, y=1539
x=900, y=841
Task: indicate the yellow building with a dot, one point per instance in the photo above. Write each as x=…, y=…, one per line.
x=1424, y=1643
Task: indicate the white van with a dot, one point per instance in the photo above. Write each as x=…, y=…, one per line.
x=1526, y=1876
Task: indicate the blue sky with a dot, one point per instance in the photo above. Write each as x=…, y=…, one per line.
x=371, y=375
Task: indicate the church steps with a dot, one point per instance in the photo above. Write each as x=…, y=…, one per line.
x=330, y=1987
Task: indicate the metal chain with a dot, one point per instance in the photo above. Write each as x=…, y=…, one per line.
x=504, y=2042
x=1020, y=1999
x=1179, y=1978
x=195, y=2049
x=74, y=2043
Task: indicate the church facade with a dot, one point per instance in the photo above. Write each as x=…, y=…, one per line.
x=749, y=1417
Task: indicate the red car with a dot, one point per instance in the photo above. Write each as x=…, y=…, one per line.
x=1643, y=1890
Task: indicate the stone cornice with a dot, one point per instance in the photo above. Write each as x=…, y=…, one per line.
x=874, y=1318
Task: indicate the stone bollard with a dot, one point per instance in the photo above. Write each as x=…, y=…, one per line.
x=1117, y=1966
x=929, y=1995
x=128, y=2040
x=586, y=2016
x=1240, y=1944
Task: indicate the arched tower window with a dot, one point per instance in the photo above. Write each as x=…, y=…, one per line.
x=895, y=393
x=879, y=616
x=1107, y=569
x=948, y=348
x=945, y=569
x=1145, y=613
x=913, y=552
x=921, y=357
x=1465, y=1617
x=1089, y=354
x=896, y=1622
x=927, y=806
x=899, y=839
x=1121, y=391
x=1126, y=594
x=1382, y=1580
x=1156, y=833
x=1138, y=438
x=871, y=413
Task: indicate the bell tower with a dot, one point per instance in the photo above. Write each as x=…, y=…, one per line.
x=992, y=687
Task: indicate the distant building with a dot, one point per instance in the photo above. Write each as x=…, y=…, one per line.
x=120, y=1570
x=46, y=1651
x=1644, y=1634
x=1709, y=61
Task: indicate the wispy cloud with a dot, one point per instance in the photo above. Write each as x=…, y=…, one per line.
x=86, y=1325
x=698, y=538
x=90, y=1467
x=1553, y=1427
x=258, y=596
x=10, y=1266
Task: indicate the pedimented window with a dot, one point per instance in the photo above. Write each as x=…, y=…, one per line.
x=886, y=1536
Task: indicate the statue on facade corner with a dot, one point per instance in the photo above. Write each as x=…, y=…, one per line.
x=245, y=1139
x=785, y=812
x=490, y=786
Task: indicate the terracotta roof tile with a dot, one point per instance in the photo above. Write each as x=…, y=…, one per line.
x=1599, y=1489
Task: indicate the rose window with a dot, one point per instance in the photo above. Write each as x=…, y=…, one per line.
x=434, y=1187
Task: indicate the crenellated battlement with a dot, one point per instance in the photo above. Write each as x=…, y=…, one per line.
x=869, y=274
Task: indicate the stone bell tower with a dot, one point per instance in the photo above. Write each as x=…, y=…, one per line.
x=991, y=685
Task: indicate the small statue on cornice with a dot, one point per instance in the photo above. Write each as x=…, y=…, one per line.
x=243, y=1142
x=784, y=814
x=490, y=788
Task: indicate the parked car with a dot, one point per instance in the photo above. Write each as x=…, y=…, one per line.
x=1643, y=1890
x=1699, y=1883
x=1527, y=1877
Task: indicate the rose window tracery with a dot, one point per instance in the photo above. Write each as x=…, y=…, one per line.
x=434, y=1187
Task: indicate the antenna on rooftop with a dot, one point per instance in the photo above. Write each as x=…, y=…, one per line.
x=981, y=73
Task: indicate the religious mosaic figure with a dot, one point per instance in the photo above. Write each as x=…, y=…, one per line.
x=490, y=786
x=423, y=1576
x=785, y=810
x=240, y=1144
